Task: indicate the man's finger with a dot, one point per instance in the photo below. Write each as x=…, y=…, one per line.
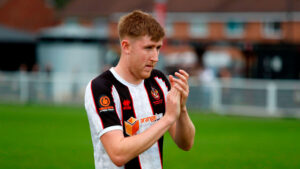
x=181, y=83
x=175, y=92
x=181, y=76
x=185, y=74
x=171, y=78
x=179, y=88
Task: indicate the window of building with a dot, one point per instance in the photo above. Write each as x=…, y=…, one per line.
x=71, y=21
x=198, y=29
x=272, y=29
x=235, y=29
x=169, y=29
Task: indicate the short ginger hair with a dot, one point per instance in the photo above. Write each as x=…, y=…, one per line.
x=139, y=23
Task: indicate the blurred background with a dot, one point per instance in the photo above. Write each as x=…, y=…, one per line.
x=243, y=58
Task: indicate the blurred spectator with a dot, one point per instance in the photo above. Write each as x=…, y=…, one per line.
x=23, y=68
x=35, y=68
x=224, y=73
x=205, y=75
x=33, y=86
x=176, y=57
x=206, y=78
x=48, y=69
x=48, y=85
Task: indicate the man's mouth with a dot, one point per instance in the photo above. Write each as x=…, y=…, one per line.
x=150, y=66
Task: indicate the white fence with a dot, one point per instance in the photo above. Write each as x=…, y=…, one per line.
x=235, y=96
x=248, y=97
x=57, y=88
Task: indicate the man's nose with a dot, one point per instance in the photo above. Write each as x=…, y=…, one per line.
x=155, y=56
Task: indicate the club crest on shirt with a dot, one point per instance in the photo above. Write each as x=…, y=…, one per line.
x=155, y=93
x=104, y=103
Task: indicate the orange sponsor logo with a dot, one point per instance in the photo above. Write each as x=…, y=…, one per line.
x=132, y=126
x=104, y=101
x=106, y=108
x=105, y=104
x=149, y=119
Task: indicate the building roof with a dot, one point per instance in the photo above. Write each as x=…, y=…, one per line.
x=71, y=31
x=92, y=8
x=13, y=35
x=2, y=2
x=24, y=15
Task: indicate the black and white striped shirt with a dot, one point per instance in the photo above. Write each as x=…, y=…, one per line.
x=114, y=104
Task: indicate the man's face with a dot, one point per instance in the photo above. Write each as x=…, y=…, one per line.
x=143, y=56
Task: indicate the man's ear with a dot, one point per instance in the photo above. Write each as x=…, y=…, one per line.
x=125, y=45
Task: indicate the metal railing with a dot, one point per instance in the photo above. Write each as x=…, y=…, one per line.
x=234, y=96
x=248, y=97
x=59, y=88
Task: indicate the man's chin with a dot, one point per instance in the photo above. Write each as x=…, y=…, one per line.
x=146, y=75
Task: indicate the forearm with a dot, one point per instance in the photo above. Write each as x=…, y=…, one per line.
x=185, y=131
x=127, y=148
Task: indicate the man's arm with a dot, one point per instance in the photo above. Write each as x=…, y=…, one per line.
x=183, y=130
x=122, y=149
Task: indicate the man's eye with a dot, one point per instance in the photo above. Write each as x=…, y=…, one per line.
x=148, y=48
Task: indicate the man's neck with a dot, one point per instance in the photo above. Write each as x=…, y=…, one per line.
x=125, y=73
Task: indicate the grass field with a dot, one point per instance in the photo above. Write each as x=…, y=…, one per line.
x=52, y=137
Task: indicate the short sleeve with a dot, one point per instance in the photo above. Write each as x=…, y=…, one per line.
x=100, y=108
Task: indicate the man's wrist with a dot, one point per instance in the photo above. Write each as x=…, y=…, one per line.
x=183, y=109
x=169, y=119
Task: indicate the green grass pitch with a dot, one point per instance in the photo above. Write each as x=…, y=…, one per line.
x=54, y=137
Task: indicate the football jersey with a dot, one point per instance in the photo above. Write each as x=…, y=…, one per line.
x=114, y=104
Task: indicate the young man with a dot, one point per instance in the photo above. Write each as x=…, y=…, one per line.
x=132, y=105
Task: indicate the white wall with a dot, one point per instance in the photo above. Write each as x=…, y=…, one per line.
x=71, y=59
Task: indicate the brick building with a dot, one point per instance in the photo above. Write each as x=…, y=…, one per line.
x=217, y=20
x=261, y=33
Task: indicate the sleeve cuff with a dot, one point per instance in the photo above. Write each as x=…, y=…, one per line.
x=110, y=129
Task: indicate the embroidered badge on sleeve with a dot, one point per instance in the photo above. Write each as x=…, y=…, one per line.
x=105, y=104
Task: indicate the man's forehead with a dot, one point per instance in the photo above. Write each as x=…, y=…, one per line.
x=147, y=40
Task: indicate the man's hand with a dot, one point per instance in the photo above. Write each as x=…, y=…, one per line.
x=173, y=103
x=181, y=84
x=183, y=130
